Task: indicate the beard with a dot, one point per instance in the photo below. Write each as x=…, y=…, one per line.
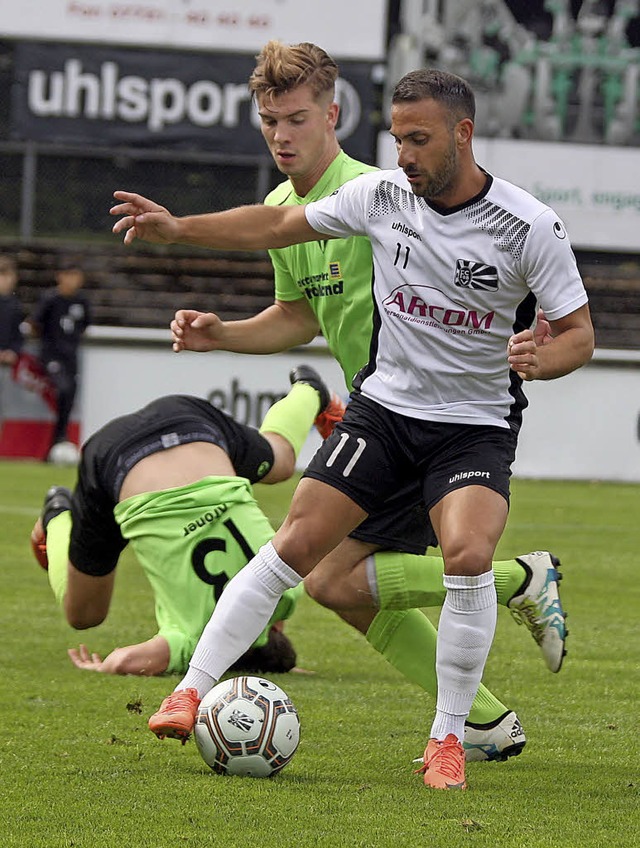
x=441, y=181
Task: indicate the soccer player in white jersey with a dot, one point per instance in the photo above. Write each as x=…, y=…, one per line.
x=379, y=577
x=461, y=260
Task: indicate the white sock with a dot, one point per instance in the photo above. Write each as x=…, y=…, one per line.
x=465, y=633
x=243, y=611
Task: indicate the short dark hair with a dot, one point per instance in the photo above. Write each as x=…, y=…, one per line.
x=432, y=84
x=278, y=656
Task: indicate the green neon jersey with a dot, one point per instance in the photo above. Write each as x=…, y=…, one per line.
x=190, y=541
x=334, y=275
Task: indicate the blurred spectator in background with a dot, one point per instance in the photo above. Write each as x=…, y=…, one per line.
x=60, y=318
x=11, y=315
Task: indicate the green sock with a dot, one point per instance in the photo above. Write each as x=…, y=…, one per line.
x=293, y=416
x=509, y=576
x=407, y=640
x=408, y=581
x=58, y=534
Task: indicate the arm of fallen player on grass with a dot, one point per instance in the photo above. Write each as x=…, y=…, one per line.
x=571, y=346
x=146, y=659
x=87, y=598
x=243, y=228
x=281, y=326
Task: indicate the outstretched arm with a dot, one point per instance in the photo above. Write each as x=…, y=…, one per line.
x=146, y=659
x=244, y=228
x=281, y=326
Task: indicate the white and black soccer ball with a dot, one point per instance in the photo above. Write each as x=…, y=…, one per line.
x=247, y=726
x=63, y=453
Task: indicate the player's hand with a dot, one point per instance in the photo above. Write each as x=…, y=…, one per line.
x=522, y=356
x=192, y=330
x=522, y=348
x=542, y=330
x=83, y=659
x=143, y=219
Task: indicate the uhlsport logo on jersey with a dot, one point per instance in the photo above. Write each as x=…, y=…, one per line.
x=429, y=307
x=476, y=275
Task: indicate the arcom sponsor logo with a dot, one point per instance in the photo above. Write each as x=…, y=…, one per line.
x=410, y=306
x=110, y=95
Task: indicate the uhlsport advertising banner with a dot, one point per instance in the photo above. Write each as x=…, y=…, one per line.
x=81, y=94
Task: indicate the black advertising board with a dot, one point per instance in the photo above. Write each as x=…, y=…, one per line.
x=90, y=95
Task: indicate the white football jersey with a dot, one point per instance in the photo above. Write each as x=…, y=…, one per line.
x=450, y=287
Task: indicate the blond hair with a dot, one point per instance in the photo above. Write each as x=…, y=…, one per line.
x=283, y=67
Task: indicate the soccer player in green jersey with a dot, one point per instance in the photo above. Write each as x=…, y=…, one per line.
x=326, y=285
x=174, y=480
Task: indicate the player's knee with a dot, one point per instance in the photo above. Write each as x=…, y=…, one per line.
x=323, y=588
x=299, y=545
x=468, y=559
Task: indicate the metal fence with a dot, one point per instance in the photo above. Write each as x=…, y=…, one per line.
x=59, y=192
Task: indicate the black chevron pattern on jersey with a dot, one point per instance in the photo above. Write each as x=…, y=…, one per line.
x=389, y=197
x=508, y=231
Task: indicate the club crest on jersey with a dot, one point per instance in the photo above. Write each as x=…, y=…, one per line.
x=476, y=275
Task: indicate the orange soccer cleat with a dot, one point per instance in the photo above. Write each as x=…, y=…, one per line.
x=444, y=764
x=176, y=716
x=330, y=416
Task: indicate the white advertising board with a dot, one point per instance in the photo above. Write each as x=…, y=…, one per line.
x=350, y=30
x=595, y=189
x=585, y=426
x=582, y=427
x=244, y=386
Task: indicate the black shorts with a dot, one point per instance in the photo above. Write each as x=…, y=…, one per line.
x=109, y=455
x=397, y=468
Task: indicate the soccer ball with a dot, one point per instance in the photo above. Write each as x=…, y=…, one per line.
x=247, y=726
x=63, y=453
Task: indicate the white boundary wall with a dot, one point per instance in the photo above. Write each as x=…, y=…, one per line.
x=585, y=426
x=591, y=187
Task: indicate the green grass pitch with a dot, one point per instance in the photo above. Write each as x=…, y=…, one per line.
x=79, y=769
